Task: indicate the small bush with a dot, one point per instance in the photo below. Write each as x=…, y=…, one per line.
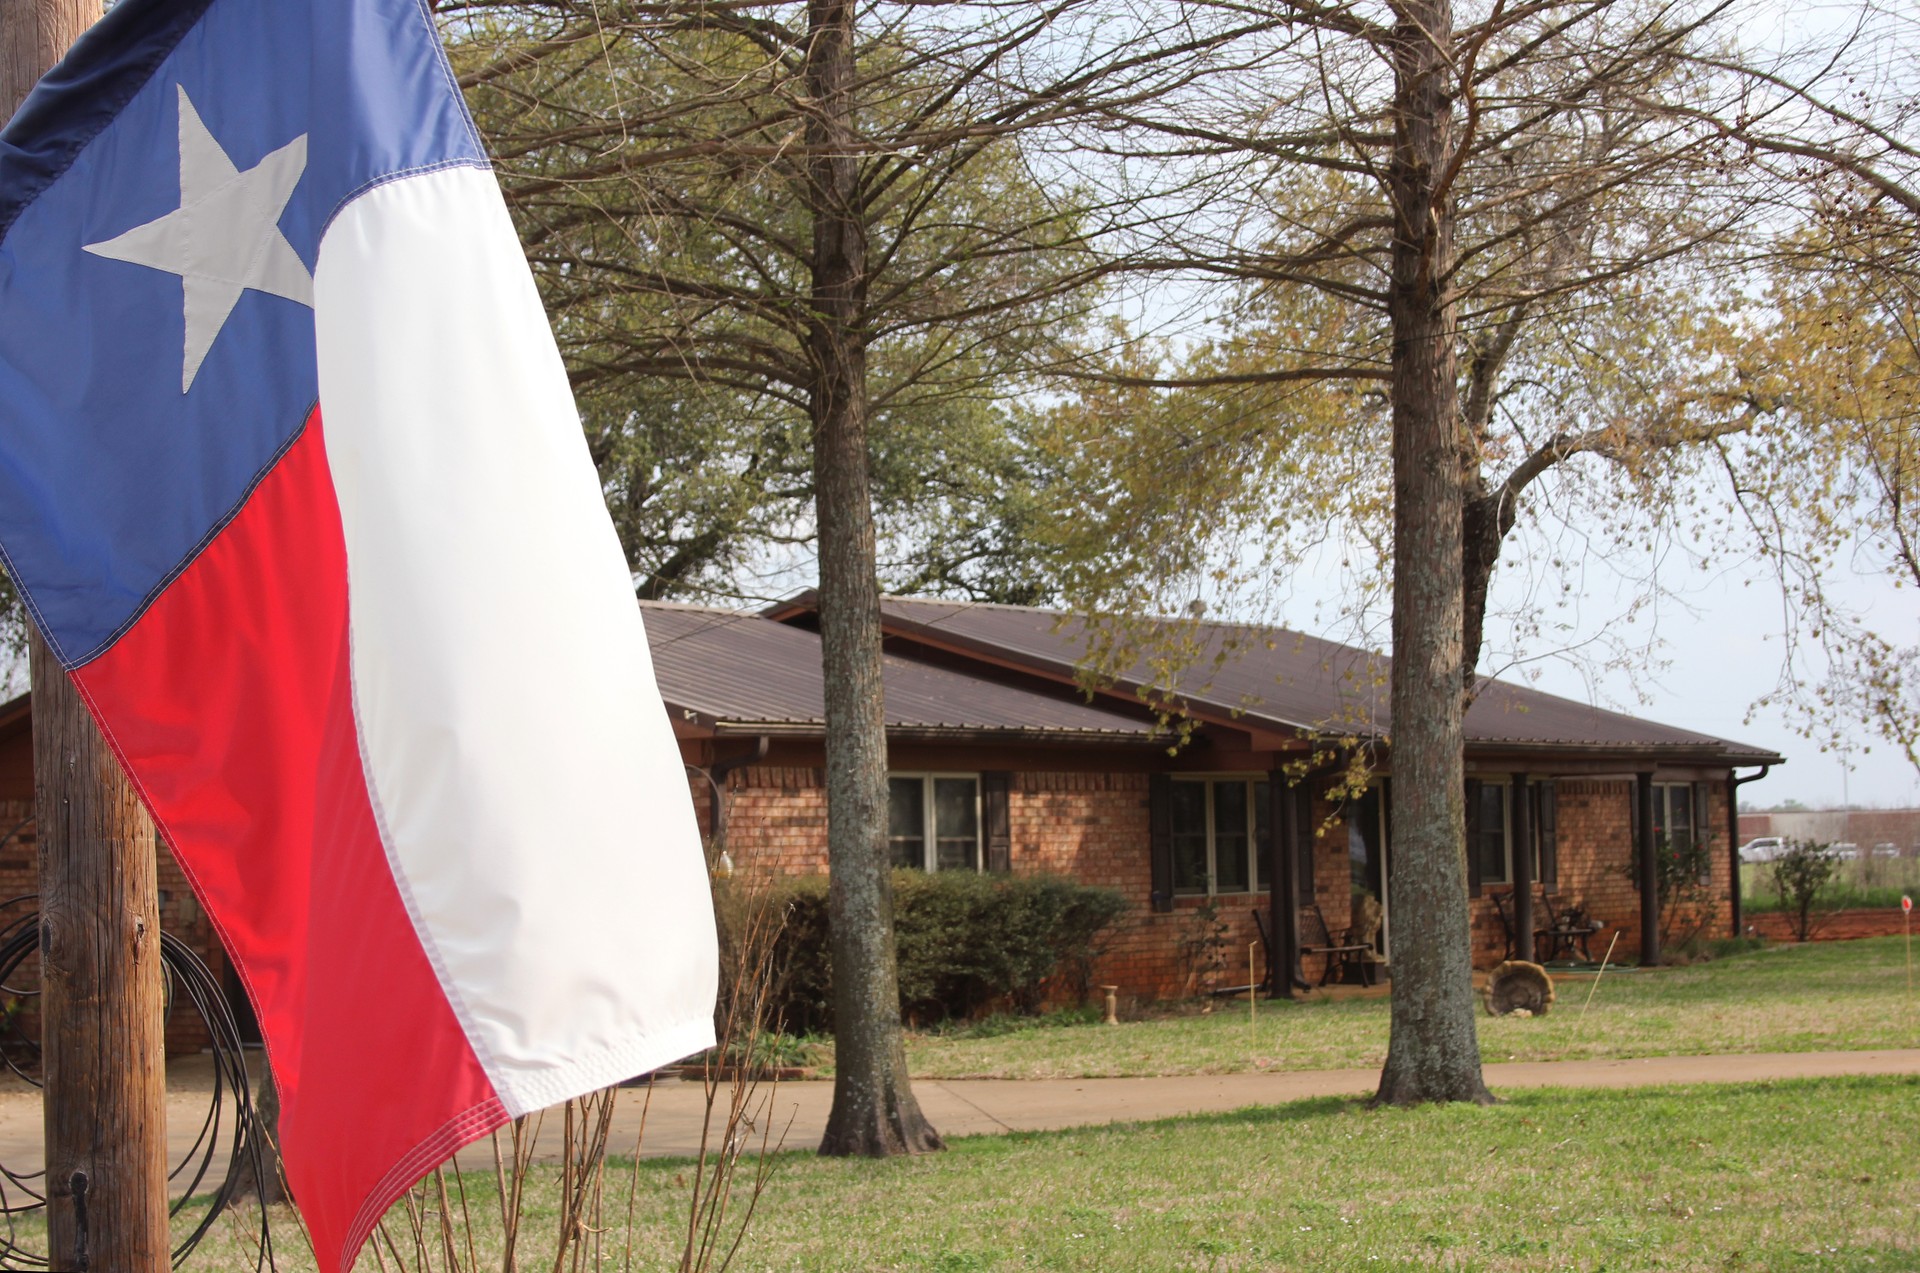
x=966, y=942
x=1799, y=875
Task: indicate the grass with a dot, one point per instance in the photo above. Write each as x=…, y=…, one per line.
x=1785, y=998
x=1781, y=1176
x=1864, y=883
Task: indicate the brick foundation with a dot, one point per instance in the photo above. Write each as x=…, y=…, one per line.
x=1838, y=926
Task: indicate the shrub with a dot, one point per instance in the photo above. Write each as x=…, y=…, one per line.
x=1799, y=875
x=965, y=942
x=1684, y=872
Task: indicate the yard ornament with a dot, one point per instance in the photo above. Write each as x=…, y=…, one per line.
x=293, y=484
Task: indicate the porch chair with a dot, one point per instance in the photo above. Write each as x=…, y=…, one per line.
x=1348, y=951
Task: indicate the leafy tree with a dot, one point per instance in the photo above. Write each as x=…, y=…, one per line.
x=683, y=340
x=832, y=210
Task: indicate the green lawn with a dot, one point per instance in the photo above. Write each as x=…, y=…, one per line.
x=1787, y=998
x=1782, y=1176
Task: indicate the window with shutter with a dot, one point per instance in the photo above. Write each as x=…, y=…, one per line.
x=1213, y=834
x=1489, y=859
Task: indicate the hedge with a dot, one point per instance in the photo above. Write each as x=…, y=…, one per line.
x=967, y=943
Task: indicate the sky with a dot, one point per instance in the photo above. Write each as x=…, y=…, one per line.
x=1727, y=652
x=1713, y=646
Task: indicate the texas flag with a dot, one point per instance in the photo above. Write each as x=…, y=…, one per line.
x=292, y=481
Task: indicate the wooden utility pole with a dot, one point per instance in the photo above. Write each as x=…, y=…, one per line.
x=100, y=970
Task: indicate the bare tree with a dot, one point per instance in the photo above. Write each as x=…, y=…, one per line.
x=1443, y=237
x=1830, y=137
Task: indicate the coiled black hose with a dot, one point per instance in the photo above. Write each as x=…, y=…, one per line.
x=230, y=1117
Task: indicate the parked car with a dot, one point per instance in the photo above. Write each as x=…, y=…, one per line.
x=1846, y=851
x=1763, y=848
x=1886, y=849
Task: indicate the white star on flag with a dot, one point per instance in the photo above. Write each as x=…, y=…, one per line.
x=224, y=237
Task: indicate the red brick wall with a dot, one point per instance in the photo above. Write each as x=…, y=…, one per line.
x=776, y=819
x=1838, y=926
x=1093, y=827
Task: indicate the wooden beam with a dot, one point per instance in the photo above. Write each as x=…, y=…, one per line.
x=100, y=971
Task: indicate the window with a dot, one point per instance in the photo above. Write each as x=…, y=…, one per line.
x=933, y=822
x=1215, y=828
x=1673, y=815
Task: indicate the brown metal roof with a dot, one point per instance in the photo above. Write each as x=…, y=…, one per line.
x=744, y=673
x=1290, y=681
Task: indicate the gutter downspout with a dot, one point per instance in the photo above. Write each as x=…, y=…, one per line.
x=1734, y=783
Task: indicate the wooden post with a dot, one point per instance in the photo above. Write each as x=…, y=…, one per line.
x=101, y=1030
x=1649, y=870
x=1283, y=888
x=100, y=1006
x=1521, y=795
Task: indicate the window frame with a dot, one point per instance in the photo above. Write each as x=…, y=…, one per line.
x=1663, y=811
x=1251, y=782
x=929, y=819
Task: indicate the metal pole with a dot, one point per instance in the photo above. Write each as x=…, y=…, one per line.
x=101, y=1030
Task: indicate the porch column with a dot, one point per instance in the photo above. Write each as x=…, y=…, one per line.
x=1649, y=870
x=1522, y=868
x=1283, y=893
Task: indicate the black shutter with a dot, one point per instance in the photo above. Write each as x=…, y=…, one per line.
x=997, y=820
x=1702, y=793
x=1546, y=830
x=1160, y=839
x=1473, y=837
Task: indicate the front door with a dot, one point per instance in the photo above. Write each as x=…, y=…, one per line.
x=1366, y=819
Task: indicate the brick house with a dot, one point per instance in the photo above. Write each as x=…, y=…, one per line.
x=999, y=761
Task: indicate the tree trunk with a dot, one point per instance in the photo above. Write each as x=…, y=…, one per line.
x=269, y=1181
x=874, y=1110
x=1432, y=1053
x=1485, y=521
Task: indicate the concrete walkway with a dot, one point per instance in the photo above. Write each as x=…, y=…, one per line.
x=969, y=1107
x=795, y=1114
